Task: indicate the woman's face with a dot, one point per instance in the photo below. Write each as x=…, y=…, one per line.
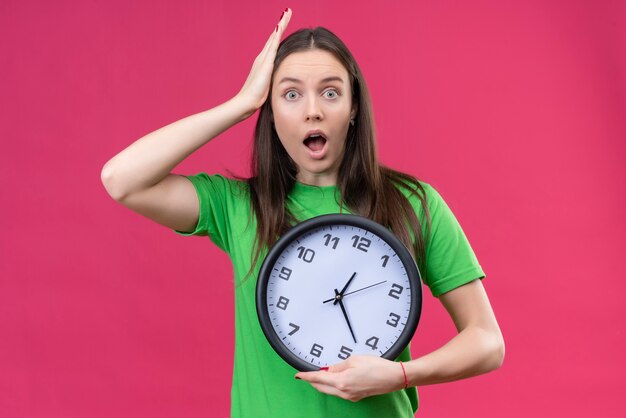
x=312, y=107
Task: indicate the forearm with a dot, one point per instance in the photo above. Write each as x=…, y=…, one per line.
x=477, y=348
x=471, y=352
x=151, y=158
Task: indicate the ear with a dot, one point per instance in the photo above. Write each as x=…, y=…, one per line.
x=353, y=112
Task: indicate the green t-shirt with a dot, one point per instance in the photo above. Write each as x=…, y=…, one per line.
x=263, y=383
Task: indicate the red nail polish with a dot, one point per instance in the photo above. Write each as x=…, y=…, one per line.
x=281, y=16
x=286, y=9
x=298, y=378
x=324, y=369
x=276, y=30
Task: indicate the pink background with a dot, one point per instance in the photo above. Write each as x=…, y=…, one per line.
x=513, y=110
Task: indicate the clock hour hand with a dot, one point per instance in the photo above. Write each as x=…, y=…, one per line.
x=345, y=314
x=339, y=295
x=354, y=291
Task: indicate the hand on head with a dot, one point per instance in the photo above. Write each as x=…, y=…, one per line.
x=256, y=88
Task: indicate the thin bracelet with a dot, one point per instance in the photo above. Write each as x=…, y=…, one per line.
x=406, y=381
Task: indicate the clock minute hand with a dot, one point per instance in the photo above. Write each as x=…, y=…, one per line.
x=354, y=291
x=345, y=314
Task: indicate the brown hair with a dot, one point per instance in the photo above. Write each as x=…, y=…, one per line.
x=366, y=187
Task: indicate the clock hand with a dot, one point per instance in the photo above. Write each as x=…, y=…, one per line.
x=345, y=315
x=339, y=295
x=354, y=291
x=366, y=287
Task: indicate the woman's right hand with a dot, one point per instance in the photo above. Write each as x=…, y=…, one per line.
x=256, y=88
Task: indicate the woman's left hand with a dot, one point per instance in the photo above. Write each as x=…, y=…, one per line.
x=358, y=377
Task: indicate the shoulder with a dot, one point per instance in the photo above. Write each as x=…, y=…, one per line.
x=424, y=198
x=418, y=192
x=407, y=183
x=218, y=183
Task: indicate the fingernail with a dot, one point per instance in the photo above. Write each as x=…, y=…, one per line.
x=276, y=30
x=324, y=369
x=281, y=15
x=297, y=378
x=286, y=9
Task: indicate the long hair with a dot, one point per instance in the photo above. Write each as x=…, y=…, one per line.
x=366, y=187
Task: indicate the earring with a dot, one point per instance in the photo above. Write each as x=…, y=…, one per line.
x=352, y=122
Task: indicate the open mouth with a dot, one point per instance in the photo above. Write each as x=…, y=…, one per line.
x=315, y=142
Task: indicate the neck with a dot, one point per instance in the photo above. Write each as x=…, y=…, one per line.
x=317, y=180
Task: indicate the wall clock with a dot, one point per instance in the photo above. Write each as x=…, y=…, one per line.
x=335, y=286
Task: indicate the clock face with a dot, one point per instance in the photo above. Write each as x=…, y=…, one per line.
x=336, y=286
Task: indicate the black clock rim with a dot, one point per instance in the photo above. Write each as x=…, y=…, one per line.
x=337, y=219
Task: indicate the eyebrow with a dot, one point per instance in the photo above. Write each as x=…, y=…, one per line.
x=297, y=81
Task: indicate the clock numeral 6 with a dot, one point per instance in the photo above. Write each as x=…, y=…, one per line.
x=316, y=350
x=395, y=291
x=361, y=243
x=328, y=238
x=372, y=342
x=393, y=319
x=285, y=273
x=282, y=303
x=344, y=353
x=306, y=254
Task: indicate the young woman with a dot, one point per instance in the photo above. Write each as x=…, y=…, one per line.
x=314, y=154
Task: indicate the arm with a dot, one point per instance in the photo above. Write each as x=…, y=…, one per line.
x=139, y=176
x=477, y=348
x=150, y=159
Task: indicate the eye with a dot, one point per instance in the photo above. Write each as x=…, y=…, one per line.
x=331, y=94
x=291, y=95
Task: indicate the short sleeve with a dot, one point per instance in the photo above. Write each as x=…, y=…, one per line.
x=450, y=260
x=213, y=193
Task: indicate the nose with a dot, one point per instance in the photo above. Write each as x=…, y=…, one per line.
x=313, y=110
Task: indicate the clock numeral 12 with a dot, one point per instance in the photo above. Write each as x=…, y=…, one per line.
x=306, y=254
x=361, y=243
x=328, y=238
